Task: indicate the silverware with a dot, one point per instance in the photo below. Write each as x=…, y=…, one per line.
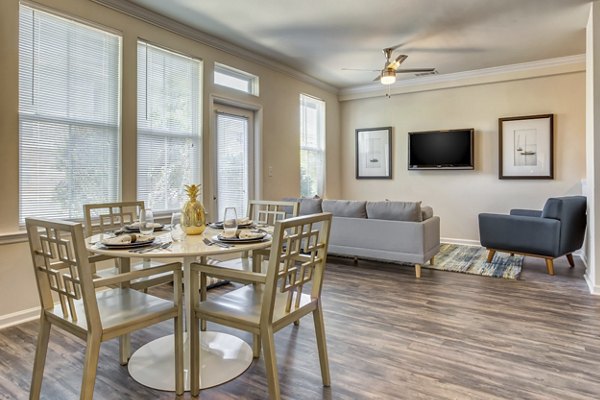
x=156, y=246
x=209, y=242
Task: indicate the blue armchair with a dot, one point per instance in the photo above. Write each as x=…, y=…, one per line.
x=555, y=231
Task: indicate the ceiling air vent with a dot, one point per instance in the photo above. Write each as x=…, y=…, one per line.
x=427, y=73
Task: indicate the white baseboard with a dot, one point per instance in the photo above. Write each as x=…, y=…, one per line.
x=19, y=317
x=593, y=289
x=465, y=242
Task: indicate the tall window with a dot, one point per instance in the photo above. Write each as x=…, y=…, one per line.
x=312, y=146
x=168, y=126
x=68, y=115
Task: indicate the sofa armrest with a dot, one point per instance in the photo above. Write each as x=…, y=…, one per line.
x=526, y=213
x=521, y=234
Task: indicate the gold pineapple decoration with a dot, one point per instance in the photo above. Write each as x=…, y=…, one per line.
x=192, y=213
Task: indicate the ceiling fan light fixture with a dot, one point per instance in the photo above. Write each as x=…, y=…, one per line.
x=388, y=77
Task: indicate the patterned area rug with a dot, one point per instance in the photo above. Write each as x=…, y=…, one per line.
x=472, y=260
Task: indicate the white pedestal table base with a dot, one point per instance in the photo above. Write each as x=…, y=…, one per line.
x=223, y=358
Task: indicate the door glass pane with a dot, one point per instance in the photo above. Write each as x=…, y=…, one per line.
x=232, y=163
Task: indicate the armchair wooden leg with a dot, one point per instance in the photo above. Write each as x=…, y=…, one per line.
x=40, y=358
x=432, y=260
x=550, y=266
x=490, y=256
x=90, y=366
x=418, y=270
x=570, y=260
x=322, y=345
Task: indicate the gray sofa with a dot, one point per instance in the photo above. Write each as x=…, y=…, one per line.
x=395, y=231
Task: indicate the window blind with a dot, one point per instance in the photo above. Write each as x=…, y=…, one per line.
x=68, y=115
x=168, y=126
x=232, y=163
x=312, y=146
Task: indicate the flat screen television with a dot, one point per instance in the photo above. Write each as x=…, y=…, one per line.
x=451, y=149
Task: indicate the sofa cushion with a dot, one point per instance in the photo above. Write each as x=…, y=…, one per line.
x=552, y=208
x=310, y=206
x=426, y=212
x=395, y=210
x=346, y=208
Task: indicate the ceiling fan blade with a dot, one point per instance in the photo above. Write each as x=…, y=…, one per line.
x=377, y=78
x=400, y=71
x=360, y=69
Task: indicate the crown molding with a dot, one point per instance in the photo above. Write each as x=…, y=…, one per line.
x=533, y=69
x=161, y=21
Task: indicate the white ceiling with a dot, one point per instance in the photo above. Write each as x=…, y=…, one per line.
x=320, y=37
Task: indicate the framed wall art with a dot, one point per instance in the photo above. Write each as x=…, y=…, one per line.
x=526, y=147
x=374, y=153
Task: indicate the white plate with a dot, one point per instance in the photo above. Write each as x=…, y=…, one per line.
x=219, y=238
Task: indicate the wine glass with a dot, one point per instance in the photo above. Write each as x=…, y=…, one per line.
x=146, y=222
x=230, y=222
x=177, y=232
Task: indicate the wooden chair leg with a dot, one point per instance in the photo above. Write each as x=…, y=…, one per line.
x=550, y=266
x=322, y=345
x=40, y=358
x=490, y=256
x=124, y=349
x=256, y=346
x=570, y=260
x=92, y=352
x=194, y=357
x=432, y=260
x=179, y=384
x=418, y=270
x=268, y=343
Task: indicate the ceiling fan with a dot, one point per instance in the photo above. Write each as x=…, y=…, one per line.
x=387, y=75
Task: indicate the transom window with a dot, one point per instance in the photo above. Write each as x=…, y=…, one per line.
x=69, y=123
x=236, y=79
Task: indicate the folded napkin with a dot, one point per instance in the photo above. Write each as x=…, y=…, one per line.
x=127, y=239
x=250, y=234
x=228, y=235
x=243, y=221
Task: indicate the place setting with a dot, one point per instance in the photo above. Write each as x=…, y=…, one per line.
x=237, y=231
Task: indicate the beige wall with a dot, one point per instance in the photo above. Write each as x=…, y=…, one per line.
x=459, y=196
x=278, y=102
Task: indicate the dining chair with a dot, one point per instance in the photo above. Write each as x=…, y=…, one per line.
x=91, y=308
x=109, y=217
x=270, y=300
x=263, y=214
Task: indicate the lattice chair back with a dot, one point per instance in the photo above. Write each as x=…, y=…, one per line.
x=61, y=266
x=298, y=257
x=267, y=212
x=110, y=216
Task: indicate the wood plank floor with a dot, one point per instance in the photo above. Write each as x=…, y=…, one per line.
x=390, y=336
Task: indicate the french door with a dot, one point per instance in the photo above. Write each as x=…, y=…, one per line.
x=234, y=137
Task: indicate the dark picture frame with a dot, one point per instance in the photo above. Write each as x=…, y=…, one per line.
x=374, y=153
x=526, y=147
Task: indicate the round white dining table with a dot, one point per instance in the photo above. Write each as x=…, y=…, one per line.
x=224, y=356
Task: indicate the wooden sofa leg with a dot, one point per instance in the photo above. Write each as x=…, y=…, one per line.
x=550, y=266
x=432, y=260
x=570, y=260
x=418, y=270
x=490, y=256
